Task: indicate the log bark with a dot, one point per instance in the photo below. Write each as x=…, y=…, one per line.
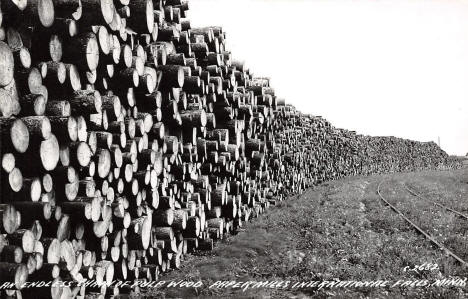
x=172, y=76
x=86, y=102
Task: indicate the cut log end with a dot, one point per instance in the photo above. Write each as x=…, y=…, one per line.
x=6, y=64
x=15, y=179
x=49, y=153
x=19, y=136
x=92, y=51
x=46, y=12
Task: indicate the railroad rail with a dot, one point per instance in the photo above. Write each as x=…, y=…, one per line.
x=412, y=192
x=420, y=230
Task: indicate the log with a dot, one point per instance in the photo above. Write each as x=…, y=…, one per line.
x=18, y=134
x=172, y=76
x=22, y=57
x=10, y=218
x=141, y=10
x=6, y=65
x=80, y=154
x=42, y=11
x=67, y=8
x=83, y=50
x=64, y=128
x=38, y=126
x=49, y=153
x=112, y=105
x=72, y=82
x=12, y=253
x=86, y=102
x=23, y=238
x=193, y=228
x=7, y=104
x=163, y=217
x=104, y=162
x=33, y=104
x=97, y=12
x=16, y=273
x=56, y=74
x=67, y=253
x=31, y=190
x=8, y=162
x=15, y=181
x=139, y=233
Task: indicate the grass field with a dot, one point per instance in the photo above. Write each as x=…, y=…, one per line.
x=341, y=231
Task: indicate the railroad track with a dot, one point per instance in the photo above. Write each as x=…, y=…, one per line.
x=412, y=192
x=426, y=234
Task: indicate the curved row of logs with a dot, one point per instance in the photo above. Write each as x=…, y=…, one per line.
x=129, y=139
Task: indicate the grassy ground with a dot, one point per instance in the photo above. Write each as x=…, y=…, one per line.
x=341, y=231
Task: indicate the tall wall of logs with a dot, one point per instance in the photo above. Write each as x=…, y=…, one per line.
x=130, y=139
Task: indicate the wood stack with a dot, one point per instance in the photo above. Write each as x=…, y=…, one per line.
x=130, y=139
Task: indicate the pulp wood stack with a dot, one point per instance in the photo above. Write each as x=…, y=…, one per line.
x=130, y=139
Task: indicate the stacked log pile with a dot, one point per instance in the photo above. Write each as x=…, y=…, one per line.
x=130, y=139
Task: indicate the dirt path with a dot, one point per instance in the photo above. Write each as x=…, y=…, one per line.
x=338, y=231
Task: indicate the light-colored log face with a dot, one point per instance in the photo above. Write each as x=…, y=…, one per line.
x=19, y=136
x=24, y=57
x=21, y=275
x=103, y=38
x=35, y=190
x=46, y=12
x=73, y=77
x=104, y=163
x=107, y=10
x=6, y=103
x=92, y=53
x=10, y=219
x=49, y=153
x=8, y=162
x=6, y=64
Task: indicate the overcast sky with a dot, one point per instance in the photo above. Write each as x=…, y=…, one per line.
x=381, y=67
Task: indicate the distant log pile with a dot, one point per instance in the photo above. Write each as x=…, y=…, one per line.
x=130, y=139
